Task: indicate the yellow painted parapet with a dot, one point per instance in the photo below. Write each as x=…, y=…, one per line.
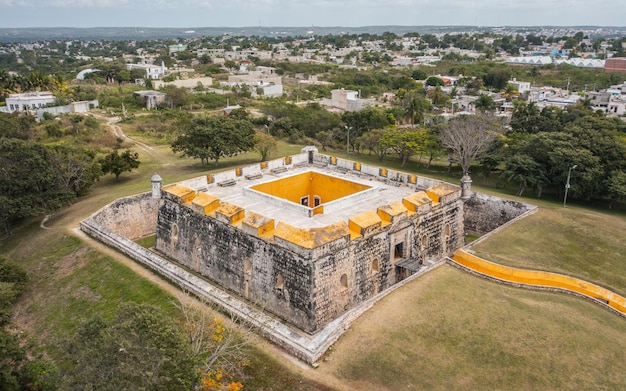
x=258, y=225
x=540, y=278
x=229, y=213
x=391, y=212
x=183, y=193
x=442, y=193
x=364, y=223
x=204, y=203
x=417, y=202
x=263, y=165
x=209, y=179
x=311, y=237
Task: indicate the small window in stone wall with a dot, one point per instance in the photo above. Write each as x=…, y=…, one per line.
x=174, y=232
x=375, y=266
x=343, y=281
x=424, y=241
x=446, y=231
x=247, y=266
x=398, y=252
x=280, y=282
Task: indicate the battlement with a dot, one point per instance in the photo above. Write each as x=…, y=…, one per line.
x=357, y=226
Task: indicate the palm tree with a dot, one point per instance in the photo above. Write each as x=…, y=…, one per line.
x=415, y=105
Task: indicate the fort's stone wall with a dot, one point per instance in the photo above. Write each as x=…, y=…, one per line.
x=303, y=285
x=308, y=282
x=131, y=217
x=369, y=263
x=241, y=263
x=484, y=213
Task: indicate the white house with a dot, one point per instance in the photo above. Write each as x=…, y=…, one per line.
x=29, y=101
x=152, y=71
x=521, y=86
x=347, y=100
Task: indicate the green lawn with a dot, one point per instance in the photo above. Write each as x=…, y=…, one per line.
x=446, y=330
x=449, y=330
x=579, y=242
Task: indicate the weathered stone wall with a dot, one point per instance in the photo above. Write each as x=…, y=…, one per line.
x=484, y=213
x=305, y=286
x=357, y=260
x=131, y=217
x=241, y=263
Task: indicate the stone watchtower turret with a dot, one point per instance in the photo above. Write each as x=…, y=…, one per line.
x=156, y=181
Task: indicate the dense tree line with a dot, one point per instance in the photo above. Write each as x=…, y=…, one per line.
x=46, y=166
x=544, y=144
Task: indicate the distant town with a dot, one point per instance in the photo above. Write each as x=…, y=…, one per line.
x=438, y=118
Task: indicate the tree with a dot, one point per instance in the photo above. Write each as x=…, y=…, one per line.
x=438, y=97
x=525, y=172
x=77, y=167
x=616, y=186
x=485, y=103
x=221, y=352
x=415, y=105
x=76, y=120
x=30, y=184
x=466, y=136
x=116, y=164
x=265, y=145
x=434, y=81
x=139, y=348
x=419, y=74
x=497, y=79
x=214, y=137
x=432, y=147
x=359, y=122
x=404, y=142
x=372, y=141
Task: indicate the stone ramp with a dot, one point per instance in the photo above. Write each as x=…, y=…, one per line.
x=540, y=280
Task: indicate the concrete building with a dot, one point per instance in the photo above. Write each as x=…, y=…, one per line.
x=30, y=101
x=179, y=47
x=191, y=83
x=152, y=71
x=263, y=82
x=150, y=98
x=520, y=86
x=615, y=65
x=346, y=100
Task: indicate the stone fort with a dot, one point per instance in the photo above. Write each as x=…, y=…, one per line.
x=309, y=238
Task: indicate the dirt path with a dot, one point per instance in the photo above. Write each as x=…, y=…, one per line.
x=118, y=132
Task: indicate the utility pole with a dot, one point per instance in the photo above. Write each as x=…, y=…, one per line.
x=569, y=174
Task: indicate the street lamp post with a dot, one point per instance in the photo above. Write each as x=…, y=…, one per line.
x=348, y=142
x=569, y=174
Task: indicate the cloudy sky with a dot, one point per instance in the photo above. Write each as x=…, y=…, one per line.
x=299, y=13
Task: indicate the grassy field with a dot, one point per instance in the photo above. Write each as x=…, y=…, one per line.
x=446, y=330
x=584, y=243
x=452, y=331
